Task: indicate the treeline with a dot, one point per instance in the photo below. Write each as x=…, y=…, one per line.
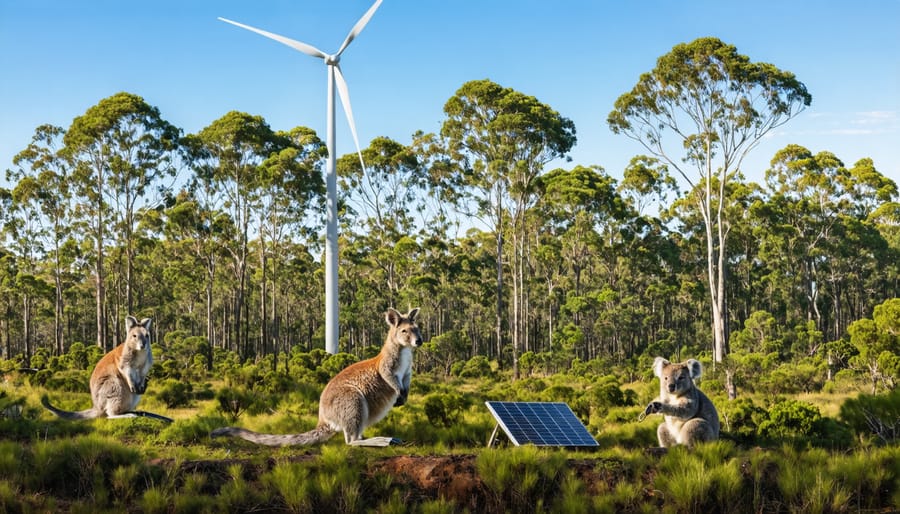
x=218, y=234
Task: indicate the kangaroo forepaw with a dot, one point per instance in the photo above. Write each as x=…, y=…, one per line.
x=140, y=388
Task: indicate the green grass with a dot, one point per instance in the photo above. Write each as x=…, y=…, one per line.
x=48, y=464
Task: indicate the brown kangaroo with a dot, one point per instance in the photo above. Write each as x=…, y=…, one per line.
x=119, y=379
x=360, y=395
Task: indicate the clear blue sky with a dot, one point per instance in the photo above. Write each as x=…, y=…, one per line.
x=60, y=57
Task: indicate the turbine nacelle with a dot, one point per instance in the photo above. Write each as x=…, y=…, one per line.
x=332, y=60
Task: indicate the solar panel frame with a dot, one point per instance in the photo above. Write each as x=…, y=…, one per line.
x=541, y=424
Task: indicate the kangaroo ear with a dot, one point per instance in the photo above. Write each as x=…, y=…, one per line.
x=146, y=323
x=411, y=315
x=658, y=364
x=130, y=322
x=695, y=368
x=392, y=317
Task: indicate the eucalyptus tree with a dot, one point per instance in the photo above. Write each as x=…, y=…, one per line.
x=227, y=161
x=819, y=235
x=291, y=182
x=238, y=157
x=381, y=203
x=120, y=151
x=877, y=339
x=193, y=233
x=575, y=205
x=498, y=141
x=42, y=178
x=24, y=232
x=717, y=105
x=8, y=265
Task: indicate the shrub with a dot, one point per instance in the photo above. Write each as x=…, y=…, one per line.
x=741, y=419
x=444, y=409
x=476, y=367
x=73, y=381
x=334, y=364
x=174, y=393
x=797, y=421
x=874, y=415
x=233, y=402
x=790, y=419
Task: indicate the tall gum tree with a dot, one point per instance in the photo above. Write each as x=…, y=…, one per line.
x=42, y=178
x=228, y=157
x=118, y=149
x=500, y=140
x=717, y=106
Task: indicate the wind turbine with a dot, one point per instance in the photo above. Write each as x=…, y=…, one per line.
x=335, y=77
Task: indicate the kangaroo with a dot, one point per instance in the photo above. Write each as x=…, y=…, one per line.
x=360, y=395
x=119, y=378
x=690, y=417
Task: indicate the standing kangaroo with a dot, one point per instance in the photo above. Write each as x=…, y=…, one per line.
x=360, y=395
x=120, y=378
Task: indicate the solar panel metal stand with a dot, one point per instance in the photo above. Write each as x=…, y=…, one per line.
x=493, y=438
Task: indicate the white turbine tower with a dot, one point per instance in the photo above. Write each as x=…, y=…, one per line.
x=335, y=77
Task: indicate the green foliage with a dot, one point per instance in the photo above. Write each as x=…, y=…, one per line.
x=805, y=376
x=707, y=480
x=73, y=381
x=522, y=478
x=237, y=495
x=194, y=430
x=174, y=393
x=874, y=416
x=80, y=357
x=79, y=468
x=790, y=419
x=478, y=366
x=334, y=364
x=741, y=419
x=233, y=402
x=444, y=409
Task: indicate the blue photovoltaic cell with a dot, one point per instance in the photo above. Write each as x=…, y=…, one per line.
x=540, y=423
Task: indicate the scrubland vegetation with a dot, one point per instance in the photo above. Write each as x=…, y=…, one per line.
x=834, y=450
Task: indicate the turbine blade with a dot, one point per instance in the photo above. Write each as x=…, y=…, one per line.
x=345, y=102
x=296, y=45
x=359, y=26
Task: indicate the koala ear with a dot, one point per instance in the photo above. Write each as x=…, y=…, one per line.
x=658, y=364
x=695, y=368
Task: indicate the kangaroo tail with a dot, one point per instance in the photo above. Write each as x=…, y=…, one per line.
x=145, y=414
x=316, y=435
x=83, y=414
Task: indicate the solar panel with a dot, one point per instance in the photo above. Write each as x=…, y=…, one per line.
x=540, y=424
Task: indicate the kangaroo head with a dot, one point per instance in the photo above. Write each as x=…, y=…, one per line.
x=404, y=330
x=137, y=333
x=676, y=379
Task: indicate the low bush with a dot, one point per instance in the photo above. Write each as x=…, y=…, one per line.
x=874, y=416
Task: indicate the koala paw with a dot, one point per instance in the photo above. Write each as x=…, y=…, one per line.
x=653, y=408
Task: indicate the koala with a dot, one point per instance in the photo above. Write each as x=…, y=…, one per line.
x=690, y=417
